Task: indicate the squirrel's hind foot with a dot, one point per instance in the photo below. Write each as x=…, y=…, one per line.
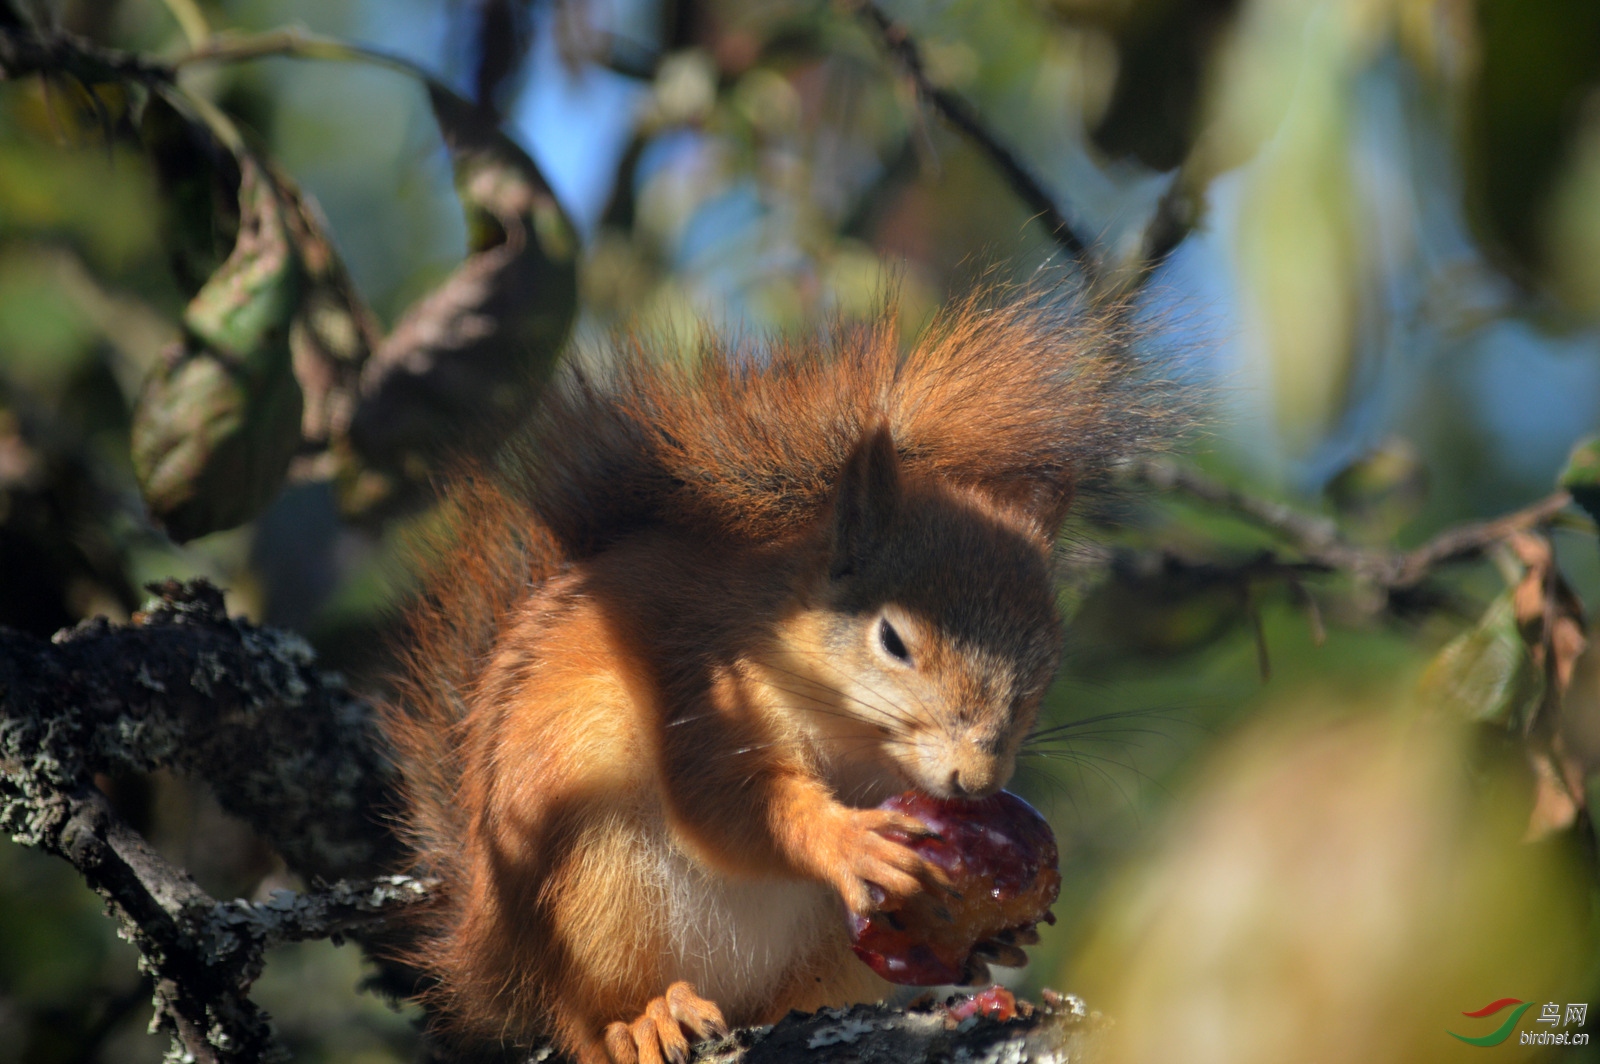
x=657, y=1037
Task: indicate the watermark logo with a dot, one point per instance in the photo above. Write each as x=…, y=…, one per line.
x=1501, y=1033
x=1551, y=1014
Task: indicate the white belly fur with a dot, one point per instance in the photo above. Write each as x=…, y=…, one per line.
x=736, y=940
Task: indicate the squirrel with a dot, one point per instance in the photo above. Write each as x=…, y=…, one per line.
x=696, y=623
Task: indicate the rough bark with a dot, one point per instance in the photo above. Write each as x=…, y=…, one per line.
x=1060, y=1031
x=285, y=747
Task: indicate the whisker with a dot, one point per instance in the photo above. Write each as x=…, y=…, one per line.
x=1081, y=758
x=894, y=712
x=856, y=742
x=1110, y=735
x=1049, y=779
x=826, y=707
x=1154, y=713
x=821, y=658
x=1086, y=762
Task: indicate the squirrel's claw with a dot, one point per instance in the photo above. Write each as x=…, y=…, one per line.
x=1002, y=953
x=658, y=1037
x=976, y=972
x=865, y=855
x=882, y=873
x=1025, y=936
x=695, y=1012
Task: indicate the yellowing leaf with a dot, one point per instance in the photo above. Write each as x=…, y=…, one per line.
x=1486, y=673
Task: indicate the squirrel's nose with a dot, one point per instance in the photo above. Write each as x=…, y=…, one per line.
x=974, y=776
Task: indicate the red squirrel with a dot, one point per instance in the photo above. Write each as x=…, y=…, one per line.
x=696, y=624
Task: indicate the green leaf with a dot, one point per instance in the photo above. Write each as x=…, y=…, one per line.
x=1486, y=673
x=219, y=420
x=1582, y=476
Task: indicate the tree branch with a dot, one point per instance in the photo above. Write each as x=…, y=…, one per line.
x=1319, y=542
x=328, y=912
x=1175, y=213
x=1175, y=216
x=1059, y=1031
x=202, y=956
x=284, y=746
x=200, y=977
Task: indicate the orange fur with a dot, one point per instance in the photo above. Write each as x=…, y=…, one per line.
x=697, y=625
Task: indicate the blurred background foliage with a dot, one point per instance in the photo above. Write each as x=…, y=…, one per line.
x=1390, y=299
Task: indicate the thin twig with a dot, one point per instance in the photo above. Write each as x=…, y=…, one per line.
x=1318, y=538
x=963, y=117
x=202, y=973
x=1173, y=219
x=24, y=52
x=298, y=44
x=1471, y=540
x=1175, y=214
x=1319, y=631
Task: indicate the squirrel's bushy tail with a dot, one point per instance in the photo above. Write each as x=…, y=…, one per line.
x=1005, y=396
x=478, y=557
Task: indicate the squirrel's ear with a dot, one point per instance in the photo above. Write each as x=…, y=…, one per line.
x=864, y=499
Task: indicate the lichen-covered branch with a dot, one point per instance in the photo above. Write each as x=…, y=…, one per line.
x=201, y=955
x=200, y=976
x=328, y=912
x=1060, y=1031
x=284, y=747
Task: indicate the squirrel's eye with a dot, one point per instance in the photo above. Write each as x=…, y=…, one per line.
x=892, y=642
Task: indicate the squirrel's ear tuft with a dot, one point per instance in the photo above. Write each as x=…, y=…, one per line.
x=864, y=499
x=1043, y=501
x=1047, y=502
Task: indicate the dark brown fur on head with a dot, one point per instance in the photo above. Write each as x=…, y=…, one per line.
x=938, y=604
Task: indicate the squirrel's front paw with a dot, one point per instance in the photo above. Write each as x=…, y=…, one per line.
x=871, y=866
x=658, y=1036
